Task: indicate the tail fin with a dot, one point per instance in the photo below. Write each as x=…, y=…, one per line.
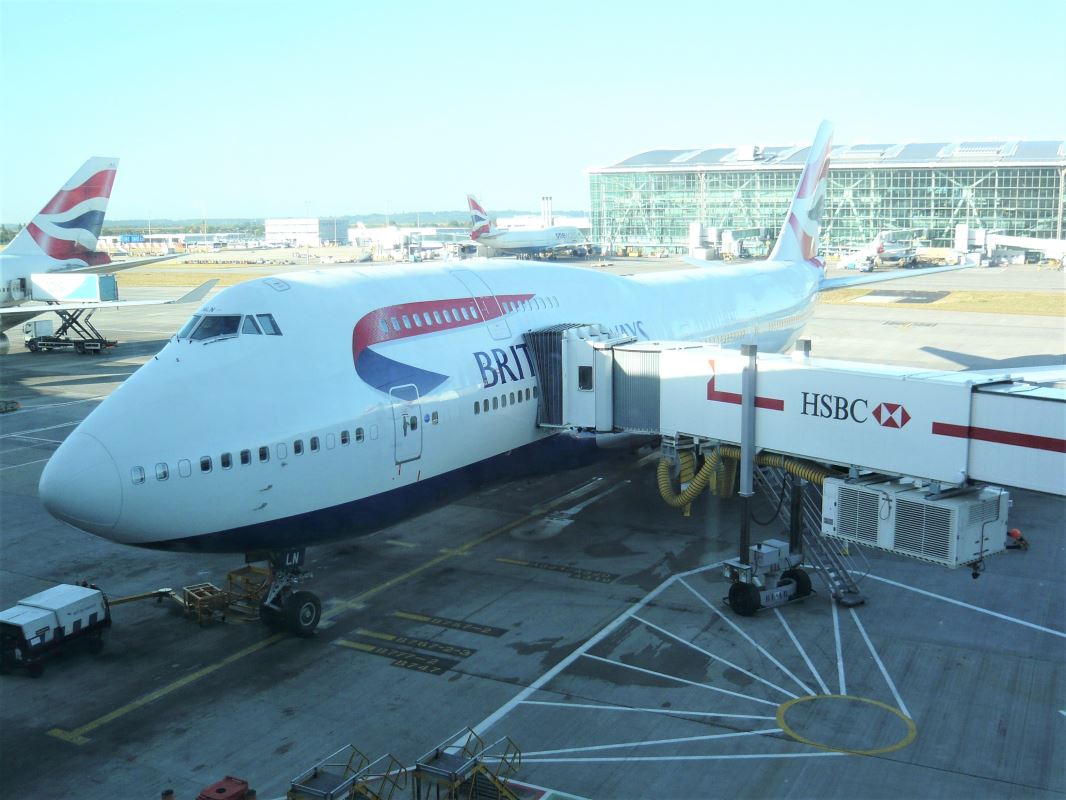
x=798, y=240
x=479, y=220
x=67, y=228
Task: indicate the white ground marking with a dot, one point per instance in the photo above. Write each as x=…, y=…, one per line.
x=9, y=450
x=668, y=711
x=751, y=641
x=28, y=409
x=840, y=652
x=631, y=759
x=596, y=497
x=650, y=743
x=680, y=680
x=880, y=665
x=802, y=652
x=28, y=463
x=713, y=656
x=38, y=430
x=980, y=610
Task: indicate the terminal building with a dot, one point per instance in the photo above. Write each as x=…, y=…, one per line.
x=306, y=231
x=670, y=200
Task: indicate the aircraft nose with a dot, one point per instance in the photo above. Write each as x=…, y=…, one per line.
x=81, y=485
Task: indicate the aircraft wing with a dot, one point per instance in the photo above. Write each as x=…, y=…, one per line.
x=116, y=266
x=829, y=284
x=10, y=317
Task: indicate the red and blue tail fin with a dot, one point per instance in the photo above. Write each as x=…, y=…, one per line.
x=798, y=240
x=67, y=228
x=479, y=220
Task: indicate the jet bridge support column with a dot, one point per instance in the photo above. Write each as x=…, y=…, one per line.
x=747, y=447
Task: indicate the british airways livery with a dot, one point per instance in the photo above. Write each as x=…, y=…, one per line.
x=318, y=405
x=520, y=242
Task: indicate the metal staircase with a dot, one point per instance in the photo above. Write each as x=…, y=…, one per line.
x=453, y=772
x=837, y=563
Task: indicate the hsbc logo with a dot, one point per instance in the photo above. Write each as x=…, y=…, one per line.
x=857, y=409
x=891, y=415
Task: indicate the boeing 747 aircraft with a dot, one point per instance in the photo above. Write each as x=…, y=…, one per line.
x=522, y=243
x=62, y=238
x=319, y=405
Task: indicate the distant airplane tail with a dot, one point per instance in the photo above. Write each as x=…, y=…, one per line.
x=798, y=240
x=479, y=220
x=67, y=228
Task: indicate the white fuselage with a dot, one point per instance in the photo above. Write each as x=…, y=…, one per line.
x=159, y=463
x=534, y=241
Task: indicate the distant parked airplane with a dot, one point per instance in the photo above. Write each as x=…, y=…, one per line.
x=62, y=239
x=528, y=243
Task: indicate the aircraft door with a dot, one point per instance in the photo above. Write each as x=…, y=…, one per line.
x=487, y=305
x=407, y=422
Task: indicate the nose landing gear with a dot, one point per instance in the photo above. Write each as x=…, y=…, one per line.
x=284, y=606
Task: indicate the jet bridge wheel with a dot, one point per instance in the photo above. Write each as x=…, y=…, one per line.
x=744, y=598
x=800, y=578
x=302, y=612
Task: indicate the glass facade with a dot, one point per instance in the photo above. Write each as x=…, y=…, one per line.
x=652, y=209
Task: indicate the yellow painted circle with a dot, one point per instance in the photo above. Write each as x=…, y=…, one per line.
x=912, y=729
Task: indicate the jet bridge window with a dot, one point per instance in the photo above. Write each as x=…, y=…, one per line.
x=266, y=322
x=584, y=379
x=214, y=326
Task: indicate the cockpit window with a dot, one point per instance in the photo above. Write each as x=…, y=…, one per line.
x=250, y=326
x=186, y=329
x=270, y=328
x=213, y=326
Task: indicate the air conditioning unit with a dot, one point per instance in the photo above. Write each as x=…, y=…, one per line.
x=901, y=518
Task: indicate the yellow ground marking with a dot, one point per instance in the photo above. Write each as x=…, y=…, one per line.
x=78, y=735
x=912, y=729
x=1052, y=304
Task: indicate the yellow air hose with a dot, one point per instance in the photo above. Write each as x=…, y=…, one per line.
x=683, y=499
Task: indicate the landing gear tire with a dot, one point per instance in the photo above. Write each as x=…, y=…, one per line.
x=801, y=579
x=303, y=610
x=744, y=599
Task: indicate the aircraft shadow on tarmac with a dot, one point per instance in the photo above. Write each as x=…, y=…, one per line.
x=974, y=361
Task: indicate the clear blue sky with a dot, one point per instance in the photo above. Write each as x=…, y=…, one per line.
x=268, y=107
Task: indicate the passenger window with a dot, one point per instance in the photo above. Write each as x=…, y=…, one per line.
x=512, y=398
x=429, y=321
x=298, y=447
x=137, y=475
x=465, y=315
x=503, y=401
x=283, y=450
x=436, y=317
x=184, y=468
x=473, y=312
x=447, y=316
x=359, y=434
x=406, y=321
x=383, y=325
x=314, y=444
x=246, y=457
x=205, y=463
x=264, y=454
x=519, y=395
x=485, y=405
x=434, y=418
x=534, y=392
x=527, y=393
x=418, y=321
x=414, y=422
x=344, y=437
x=455, y=314
x=162, y=472
x=477, y=410
x=226, y=460
x=331, y=441
x=250, y=326
x=395, y=324
x=495, y=403
x=584, y=379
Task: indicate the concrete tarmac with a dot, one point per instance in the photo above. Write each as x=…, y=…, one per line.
x=574, y=613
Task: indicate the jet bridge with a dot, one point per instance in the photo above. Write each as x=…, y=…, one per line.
x=916, y=456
